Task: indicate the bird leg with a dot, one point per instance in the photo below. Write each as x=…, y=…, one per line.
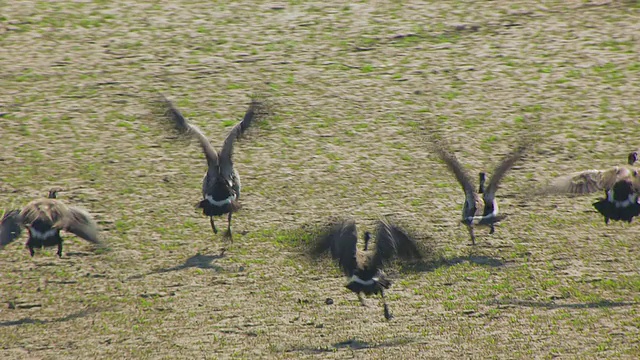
x=387, y=313
x=59, y=249
x=473, y=236
x=361, y=299
x=606, y=220
x=492, y=229
x=31, y=251
x=228, y=234
x=213, y=225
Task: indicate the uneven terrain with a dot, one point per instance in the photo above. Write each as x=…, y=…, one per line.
x=356, y=92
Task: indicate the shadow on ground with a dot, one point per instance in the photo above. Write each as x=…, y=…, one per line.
x=432, y=264
x=196, y=261
x=76, y=315
x=353, y=344
x=554, y=305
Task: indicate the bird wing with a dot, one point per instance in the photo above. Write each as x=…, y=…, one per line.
x=185, y=129
x=80, y=223
x=501, y=170
x=392, y=241
x=456, y=168
x=340, y=240
x=256, y=112
x=48, y=210
x=10, y=227
x=587, y=181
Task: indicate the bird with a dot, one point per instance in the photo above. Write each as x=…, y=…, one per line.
x=44, y=218
x=363, y=269
x=621, y=186
x=221, y=183
x=479, y=210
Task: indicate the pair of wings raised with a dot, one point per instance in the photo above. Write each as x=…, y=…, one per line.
x=465, y=181
x=59, y=215
x=341, y=240
x=218, y=162
x=589, y=181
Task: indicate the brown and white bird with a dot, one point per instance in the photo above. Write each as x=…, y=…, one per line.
x=44, y=218
x=363, y=269
x=621, y=186
x=479, y=209
x=221, y=183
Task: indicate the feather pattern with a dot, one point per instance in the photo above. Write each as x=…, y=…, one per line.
x=479, y=210
x=44, y=218
x=221, y=183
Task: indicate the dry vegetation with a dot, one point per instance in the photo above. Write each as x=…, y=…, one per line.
x=352, y=86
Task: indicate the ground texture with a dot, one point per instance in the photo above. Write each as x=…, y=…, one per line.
x=354, y=89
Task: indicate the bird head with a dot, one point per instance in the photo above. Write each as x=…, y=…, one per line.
x=633, y=157
x=53, y=192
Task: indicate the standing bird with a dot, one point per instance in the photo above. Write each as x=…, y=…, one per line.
x=44, y=218
x=480, y=210
x=364, y=268
x=621, y=186
x=221, y=183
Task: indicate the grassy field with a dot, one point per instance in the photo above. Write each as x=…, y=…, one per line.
x=352, y=87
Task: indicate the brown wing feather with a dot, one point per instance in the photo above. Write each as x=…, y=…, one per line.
x=10, y=227
x=80, y=223
x=257, y=111
x=184, y=128
x=392, y=241
x=49, y=210
x=586, y=182
x=340, y=240
x=456, y=168
x=501, y=170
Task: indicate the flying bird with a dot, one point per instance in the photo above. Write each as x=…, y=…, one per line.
x=479, y=208
x=221, y=183
x=44, y=218
x=621, y=186
x=363, y=269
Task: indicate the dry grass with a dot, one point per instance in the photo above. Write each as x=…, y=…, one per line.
x=352, y=87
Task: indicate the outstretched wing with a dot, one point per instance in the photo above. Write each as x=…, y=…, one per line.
x=501, y=170
x=586, y=182
x=391, y=242
x=340, y=240
x=10, y=227
x=257, y=111
x=80, y=223
x=456, y=168
x=185, y=129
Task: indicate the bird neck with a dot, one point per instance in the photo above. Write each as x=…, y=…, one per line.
x=482, y=180
x=367, y=238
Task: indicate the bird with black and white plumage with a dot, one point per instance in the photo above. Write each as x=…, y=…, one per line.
x=44, y=218
x=221, y=183
x=363, y=268
x=621, y=186
x=479, y=208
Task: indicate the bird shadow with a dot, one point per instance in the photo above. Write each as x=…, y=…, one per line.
x=431, y=264
x=198, y=260
x=76, y=315
x=352, y=344
x=553, y=305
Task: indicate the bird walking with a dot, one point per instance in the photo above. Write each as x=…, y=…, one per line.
x=363, y=269
x=221, y=183
x=477, y=210
x=621, y=186
x=44, y=218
